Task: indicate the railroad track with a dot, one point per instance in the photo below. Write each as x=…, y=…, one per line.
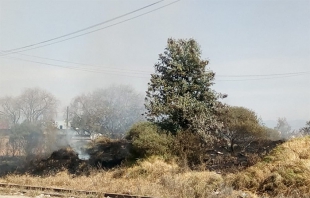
x=53, y=191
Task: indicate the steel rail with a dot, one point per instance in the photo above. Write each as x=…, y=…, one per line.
x=63, y=190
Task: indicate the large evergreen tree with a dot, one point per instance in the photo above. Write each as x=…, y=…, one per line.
x=179, y=95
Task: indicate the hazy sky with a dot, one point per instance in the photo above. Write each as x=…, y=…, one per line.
x=250, y=39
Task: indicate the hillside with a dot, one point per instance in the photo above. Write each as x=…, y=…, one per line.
x=285, y=171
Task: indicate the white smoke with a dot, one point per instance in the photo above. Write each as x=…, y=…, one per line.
x=78, y=143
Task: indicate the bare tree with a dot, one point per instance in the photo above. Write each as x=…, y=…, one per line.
x=110, y=111
x=84, y=114
x=29, y=117
x=284, y=128
x=37, y=104
x=10, y=110
x=124, y=108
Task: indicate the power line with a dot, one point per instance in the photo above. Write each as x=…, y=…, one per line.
x=93, y=30
x=260, y=75
x=119, y=73
x=266, y=76
x=76, y=63
x=143, y=71
x=83, y=29
x=136, y=73
x=270, y=78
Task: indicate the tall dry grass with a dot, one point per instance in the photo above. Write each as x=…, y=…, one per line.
x=284, y=172
x=152, y=177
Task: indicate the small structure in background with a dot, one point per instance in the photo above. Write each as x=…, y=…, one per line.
x=67, y=136
x=62, y=124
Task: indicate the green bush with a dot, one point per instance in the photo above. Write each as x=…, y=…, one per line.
x=148, y=139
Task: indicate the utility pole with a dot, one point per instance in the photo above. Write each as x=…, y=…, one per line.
x=67, y=117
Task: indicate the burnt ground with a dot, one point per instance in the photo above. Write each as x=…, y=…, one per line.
x=223, y=161
x=111, y=153
x=60, y=160
x=10, y=164
x=103, y=154
x=63, y=159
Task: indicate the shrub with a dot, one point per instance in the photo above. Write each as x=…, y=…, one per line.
x=189, y=148
x=147, y=140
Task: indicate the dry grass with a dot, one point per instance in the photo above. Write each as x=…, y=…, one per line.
x=284, y=172
x=152, y=177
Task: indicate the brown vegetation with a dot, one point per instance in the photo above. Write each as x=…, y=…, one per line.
x=152, y=177
x=284, y=172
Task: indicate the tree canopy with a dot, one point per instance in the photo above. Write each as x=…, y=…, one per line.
x=179, y=95
x=240, y=126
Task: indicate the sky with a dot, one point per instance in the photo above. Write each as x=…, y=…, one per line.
x=259, y=49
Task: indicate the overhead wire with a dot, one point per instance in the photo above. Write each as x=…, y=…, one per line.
x=96, y=30
x=122, y=70
x=83, y=29
x=260, y=75
x=265, y=78
x=100, y=70
x=148, y=72
x=136, y=73
x=119, y=73
x=84, y=64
